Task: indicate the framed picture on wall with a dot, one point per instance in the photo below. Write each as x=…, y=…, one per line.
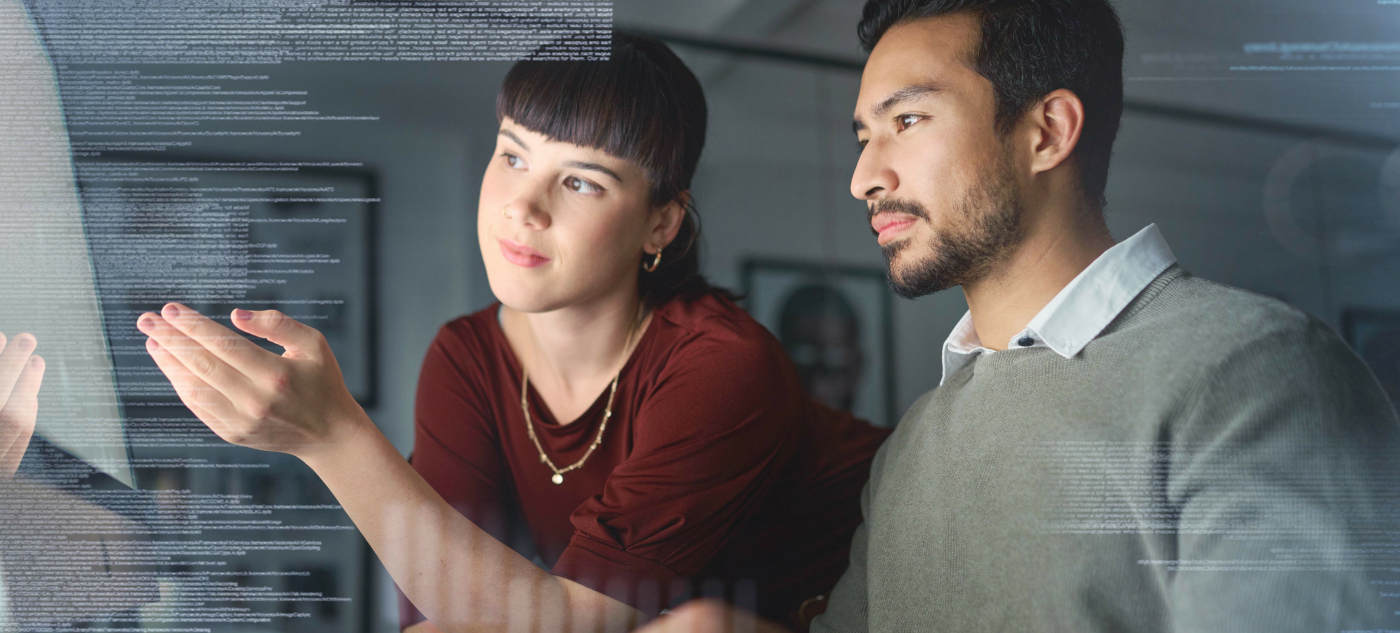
x=1375, y=335
x=217, y=234
x=836, y=324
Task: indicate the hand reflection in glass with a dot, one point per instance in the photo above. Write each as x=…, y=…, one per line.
x=21, y=373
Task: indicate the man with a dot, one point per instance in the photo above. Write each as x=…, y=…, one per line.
x=1115, y=445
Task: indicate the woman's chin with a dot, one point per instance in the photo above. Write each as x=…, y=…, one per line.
x=521, y=298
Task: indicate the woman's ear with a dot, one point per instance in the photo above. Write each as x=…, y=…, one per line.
x=666, y=222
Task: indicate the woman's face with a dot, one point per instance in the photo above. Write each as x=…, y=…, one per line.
x=563, y=225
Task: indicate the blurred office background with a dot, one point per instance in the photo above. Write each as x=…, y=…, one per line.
x=1285, y=183
x=1282, y=181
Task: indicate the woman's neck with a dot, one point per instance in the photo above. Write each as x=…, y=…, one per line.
x=574, y=352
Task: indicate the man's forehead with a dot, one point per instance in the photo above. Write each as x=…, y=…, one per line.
x=934, y=52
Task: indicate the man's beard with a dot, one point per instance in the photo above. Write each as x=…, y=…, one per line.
x=984, y=231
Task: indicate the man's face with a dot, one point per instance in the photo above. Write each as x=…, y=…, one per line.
x=940, y=184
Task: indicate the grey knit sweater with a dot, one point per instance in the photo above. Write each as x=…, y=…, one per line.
x=1213, y=461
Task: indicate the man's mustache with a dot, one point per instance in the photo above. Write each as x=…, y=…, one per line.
x=893, y=205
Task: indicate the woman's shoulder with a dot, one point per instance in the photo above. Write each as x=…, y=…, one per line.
x=714, y=319
x=715, y=328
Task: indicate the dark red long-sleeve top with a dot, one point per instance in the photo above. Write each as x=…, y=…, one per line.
x=715, y=464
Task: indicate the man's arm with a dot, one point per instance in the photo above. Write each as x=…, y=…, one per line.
x=1282, y=471
x=848, y=610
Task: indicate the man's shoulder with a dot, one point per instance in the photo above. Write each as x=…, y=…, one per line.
x=1203, y=320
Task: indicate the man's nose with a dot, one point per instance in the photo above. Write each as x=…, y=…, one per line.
x=874, y=177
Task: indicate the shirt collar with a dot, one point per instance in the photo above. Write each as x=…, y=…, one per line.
x=1082, y=309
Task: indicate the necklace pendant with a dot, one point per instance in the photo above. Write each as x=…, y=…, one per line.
x=557, y=478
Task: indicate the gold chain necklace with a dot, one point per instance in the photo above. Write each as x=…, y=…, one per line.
x=558, y=477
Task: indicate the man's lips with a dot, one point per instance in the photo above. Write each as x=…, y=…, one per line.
x=889, y=224
x=521, y=255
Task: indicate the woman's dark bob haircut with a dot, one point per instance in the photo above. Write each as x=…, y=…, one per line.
x=641, y=105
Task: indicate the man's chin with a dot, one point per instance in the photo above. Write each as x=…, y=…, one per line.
x=911, y=278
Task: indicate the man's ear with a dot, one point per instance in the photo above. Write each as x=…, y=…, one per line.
x=667, y=219
x=1056, y=123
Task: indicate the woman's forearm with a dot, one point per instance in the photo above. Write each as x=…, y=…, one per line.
x=297, y=403
x=457, y=574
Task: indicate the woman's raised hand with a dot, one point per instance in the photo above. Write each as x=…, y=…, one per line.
x=21, y=373
x=296, y=403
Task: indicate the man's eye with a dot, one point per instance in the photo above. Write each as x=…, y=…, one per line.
x=905, y=120
x=574, y=183
x=860, y=145
x=513, y=161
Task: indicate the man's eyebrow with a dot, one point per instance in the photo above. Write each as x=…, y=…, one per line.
x=511, y=135
x=594, y=167
x=907, y=93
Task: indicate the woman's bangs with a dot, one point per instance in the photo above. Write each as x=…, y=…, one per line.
x=600, y=105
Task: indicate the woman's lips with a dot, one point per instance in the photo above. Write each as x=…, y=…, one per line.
x=888, y=225
x=521, y=255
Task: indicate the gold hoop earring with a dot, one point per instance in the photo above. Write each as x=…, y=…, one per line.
x=654, y=263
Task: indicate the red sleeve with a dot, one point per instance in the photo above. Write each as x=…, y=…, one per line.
x=711, y=437
x=455, y=446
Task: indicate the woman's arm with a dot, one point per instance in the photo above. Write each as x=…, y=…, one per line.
x=297, y=403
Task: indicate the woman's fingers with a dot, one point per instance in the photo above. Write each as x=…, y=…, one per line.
x=300, y=340
x=198, y=361
x=208, y=404
x=12, y=362
x=18, y=415
x=227, y=345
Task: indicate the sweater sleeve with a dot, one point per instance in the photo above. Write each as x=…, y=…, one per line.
x=1280, y=474
x=455, y=446
x=712, y=437
x=848, y=606
x=848, y=609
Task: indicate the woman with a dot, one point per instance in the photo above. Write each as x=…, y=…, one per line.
x=647, y=430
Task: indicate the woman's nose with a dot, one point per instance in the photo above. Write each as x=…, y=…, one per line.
x=528, y=208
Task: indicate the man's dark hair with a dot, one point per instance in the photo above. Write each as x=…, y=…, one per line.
x=1029, y=48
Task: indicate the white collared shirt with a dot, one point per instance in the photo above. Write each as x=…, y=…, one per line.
x=1082, y=309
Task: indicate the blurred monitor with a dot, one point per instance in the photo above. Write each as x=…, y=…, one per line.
x=46, y=275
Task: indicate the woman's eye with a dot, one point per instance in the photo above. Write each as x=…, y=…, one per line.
x=906, y=120
x=574, y=183
x=513, y=161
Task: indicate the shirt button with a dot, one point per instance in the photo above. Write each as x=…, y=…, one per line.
x=1026, y=341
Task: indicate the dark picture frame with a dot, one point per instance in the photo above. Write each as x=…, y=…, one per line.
x=832, y=319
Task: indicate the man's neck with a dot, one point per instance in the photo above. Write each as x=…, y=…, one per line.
x=1054, y=251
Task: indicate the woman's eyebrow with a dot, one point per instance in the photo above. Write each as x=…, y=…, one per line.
x=511, y=135
x=594, y=167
